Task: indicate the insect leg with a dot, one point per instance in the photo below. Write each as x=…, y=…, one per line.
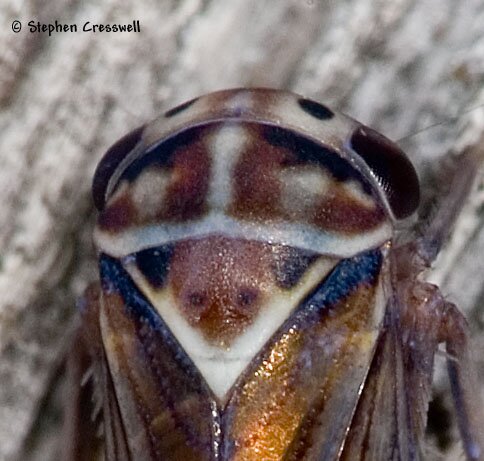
x=463, y=380
x=426, y=322
x=80, y=441
x=453, y=329
x=428, y=319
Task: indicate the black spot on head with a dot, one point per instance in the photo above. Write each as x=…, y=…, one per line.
x=306, y=151
x=176, y=110
x=197, y=299
x=393, y=169
x=154, y=264
x=246, y=297
x=315, y=109
x=109, y=163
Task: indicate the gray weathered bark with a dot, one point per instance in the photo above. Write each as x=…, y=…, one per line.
x=398, y=66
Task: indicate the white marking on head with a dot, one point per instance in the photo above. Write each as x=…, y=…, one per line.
x=303, y=236
x=225, y=148
x=149, y=191
x=355, y=190
x=302, y=188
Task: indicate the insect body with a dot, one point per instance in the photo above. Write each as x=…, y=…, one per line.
x=254, y=303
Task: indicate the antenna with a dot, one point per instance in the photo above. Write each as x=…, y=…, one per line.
x=442, y=122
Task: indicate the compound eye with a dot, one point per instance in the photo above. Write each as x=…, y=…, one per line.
x=392, y=168
x=110, y=162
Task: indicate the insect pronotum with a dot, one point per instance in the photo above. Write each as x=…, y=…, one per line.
x=254, y=300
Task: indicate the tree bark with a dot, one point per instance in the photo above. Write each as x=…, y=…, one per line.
x=401, y=67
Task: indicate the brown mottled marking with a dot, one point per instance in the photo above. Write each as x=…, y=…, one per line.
x=119, y=214
x=220, y=283
x=260, y=180
x=346, y=215
x=175, y=177
x=186, y=193
x=275, y=177
x=255, y=183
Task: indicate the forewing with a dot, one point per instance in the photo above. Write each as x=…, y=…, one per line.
x=116, y=443
x=297, y=399
x=156, y=401
x=390, y=418
x=379, y=429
